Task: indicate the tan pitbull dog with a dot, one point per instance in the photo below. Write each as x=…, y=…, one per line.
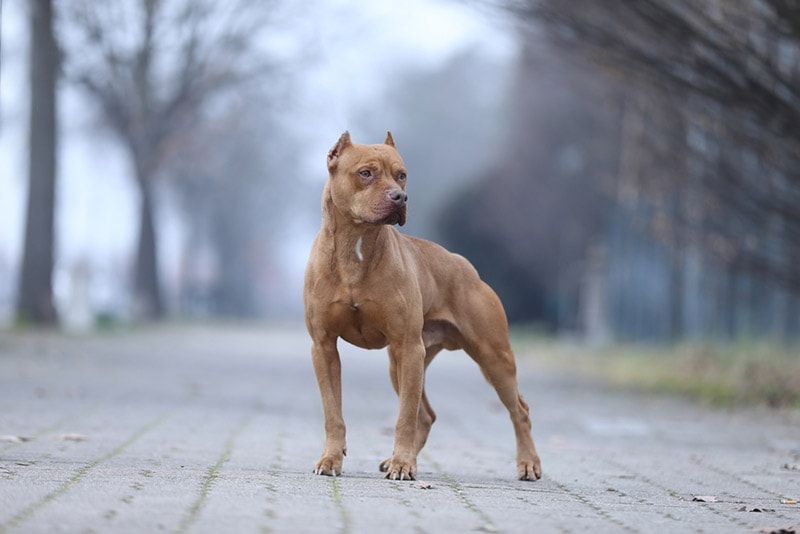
x=374, y=287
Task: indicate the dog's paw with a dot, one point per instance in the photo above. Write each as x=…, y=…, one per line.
x=328, y=466
x=529, y=469
x=384, y=465
x=397, y=469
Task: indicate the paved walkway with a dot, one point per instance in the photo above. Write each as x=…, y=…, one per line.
x=189, y=429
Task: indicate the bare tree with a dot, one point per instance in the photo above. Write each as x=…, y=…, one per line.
x=236, y=199
x=717, y=85
x=152, y=67
x=530, y=222
x=35, y=301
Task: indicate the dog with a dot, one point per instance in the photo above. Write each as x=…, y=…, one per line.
x=374, y=287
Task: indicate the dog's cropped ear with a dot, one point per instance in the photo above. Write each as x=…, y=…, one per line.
x=338, y=148
x=389, y=139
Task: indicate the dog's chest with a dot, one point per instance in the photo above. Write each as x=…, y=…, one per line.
x=357, y=324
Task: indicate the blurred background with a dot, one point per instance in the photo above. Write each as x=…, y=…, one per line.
x=625, y=170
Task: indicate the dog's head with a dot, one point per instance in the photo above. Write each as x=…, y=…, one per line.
x=367, y=182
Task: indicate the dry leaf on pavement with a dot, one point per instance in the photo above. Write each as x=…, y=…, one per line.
x=704, y=498
x=755, y=509
x=13, y=439
x=71, y=437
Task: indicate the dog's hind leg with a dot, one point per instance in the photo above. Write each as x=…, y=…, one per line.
x=426, y=416
x=486, y=341
x=498, y=367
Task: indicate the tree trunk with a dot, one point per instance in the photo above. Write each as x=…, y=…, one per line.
x=35, y=302
x=147, y=292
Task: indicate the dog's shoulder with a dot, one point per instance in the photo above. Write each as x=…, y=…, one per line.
x=450, y=264
x=424, y=246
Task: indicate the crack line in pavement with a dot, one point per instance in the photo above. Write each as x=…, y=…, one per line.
x=462, y=495
x=211, y=475
x=638, y=476
x=675, y=495
x=336, y=495
x=400, y=487
x=29, y=512
x=711, y=467
x=273, y=471
x=778, y=496
x=602, y=513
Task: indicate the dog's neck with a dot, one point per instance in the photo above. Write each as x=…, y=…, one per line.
x=350, y=244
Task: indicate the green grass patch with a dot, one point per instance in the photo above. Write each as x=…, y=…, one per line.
x=766, y=373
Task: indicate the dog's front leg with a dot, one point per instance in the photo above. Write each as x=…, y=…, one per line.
x=407, y=369
x=328, y=368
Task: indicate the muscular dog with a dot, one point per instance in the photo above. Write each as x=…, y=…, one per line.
x=374, y=287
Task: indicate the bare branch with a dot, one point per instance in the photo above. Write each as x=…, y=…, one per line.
x=730, y=73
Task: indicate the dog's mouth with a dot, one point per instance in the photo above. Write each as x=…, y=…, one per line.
x=396, y=216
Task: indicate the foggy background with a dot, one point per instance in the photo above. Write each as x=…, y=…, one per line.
x=620, y=170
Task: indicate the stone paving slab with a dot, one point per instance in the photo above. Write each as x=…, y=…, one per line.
x=217, y=429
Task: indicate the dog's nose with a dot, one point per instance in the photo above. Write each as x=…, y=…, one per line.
x=398, y=196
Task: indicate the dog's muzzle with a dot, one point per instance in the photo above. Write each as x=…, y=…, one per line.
x=399, y=198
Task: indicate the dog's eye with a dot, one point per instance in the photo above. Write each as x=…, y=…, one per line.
x=365, y=173
x=402, y=177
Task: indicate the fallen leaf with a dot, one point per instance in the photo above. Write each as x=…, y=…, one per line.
x=788, y=501
x=71, y=437
x=424, y=485
x=704, y=498
x=13, y=439
x=779, y=530
x=755, y=509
